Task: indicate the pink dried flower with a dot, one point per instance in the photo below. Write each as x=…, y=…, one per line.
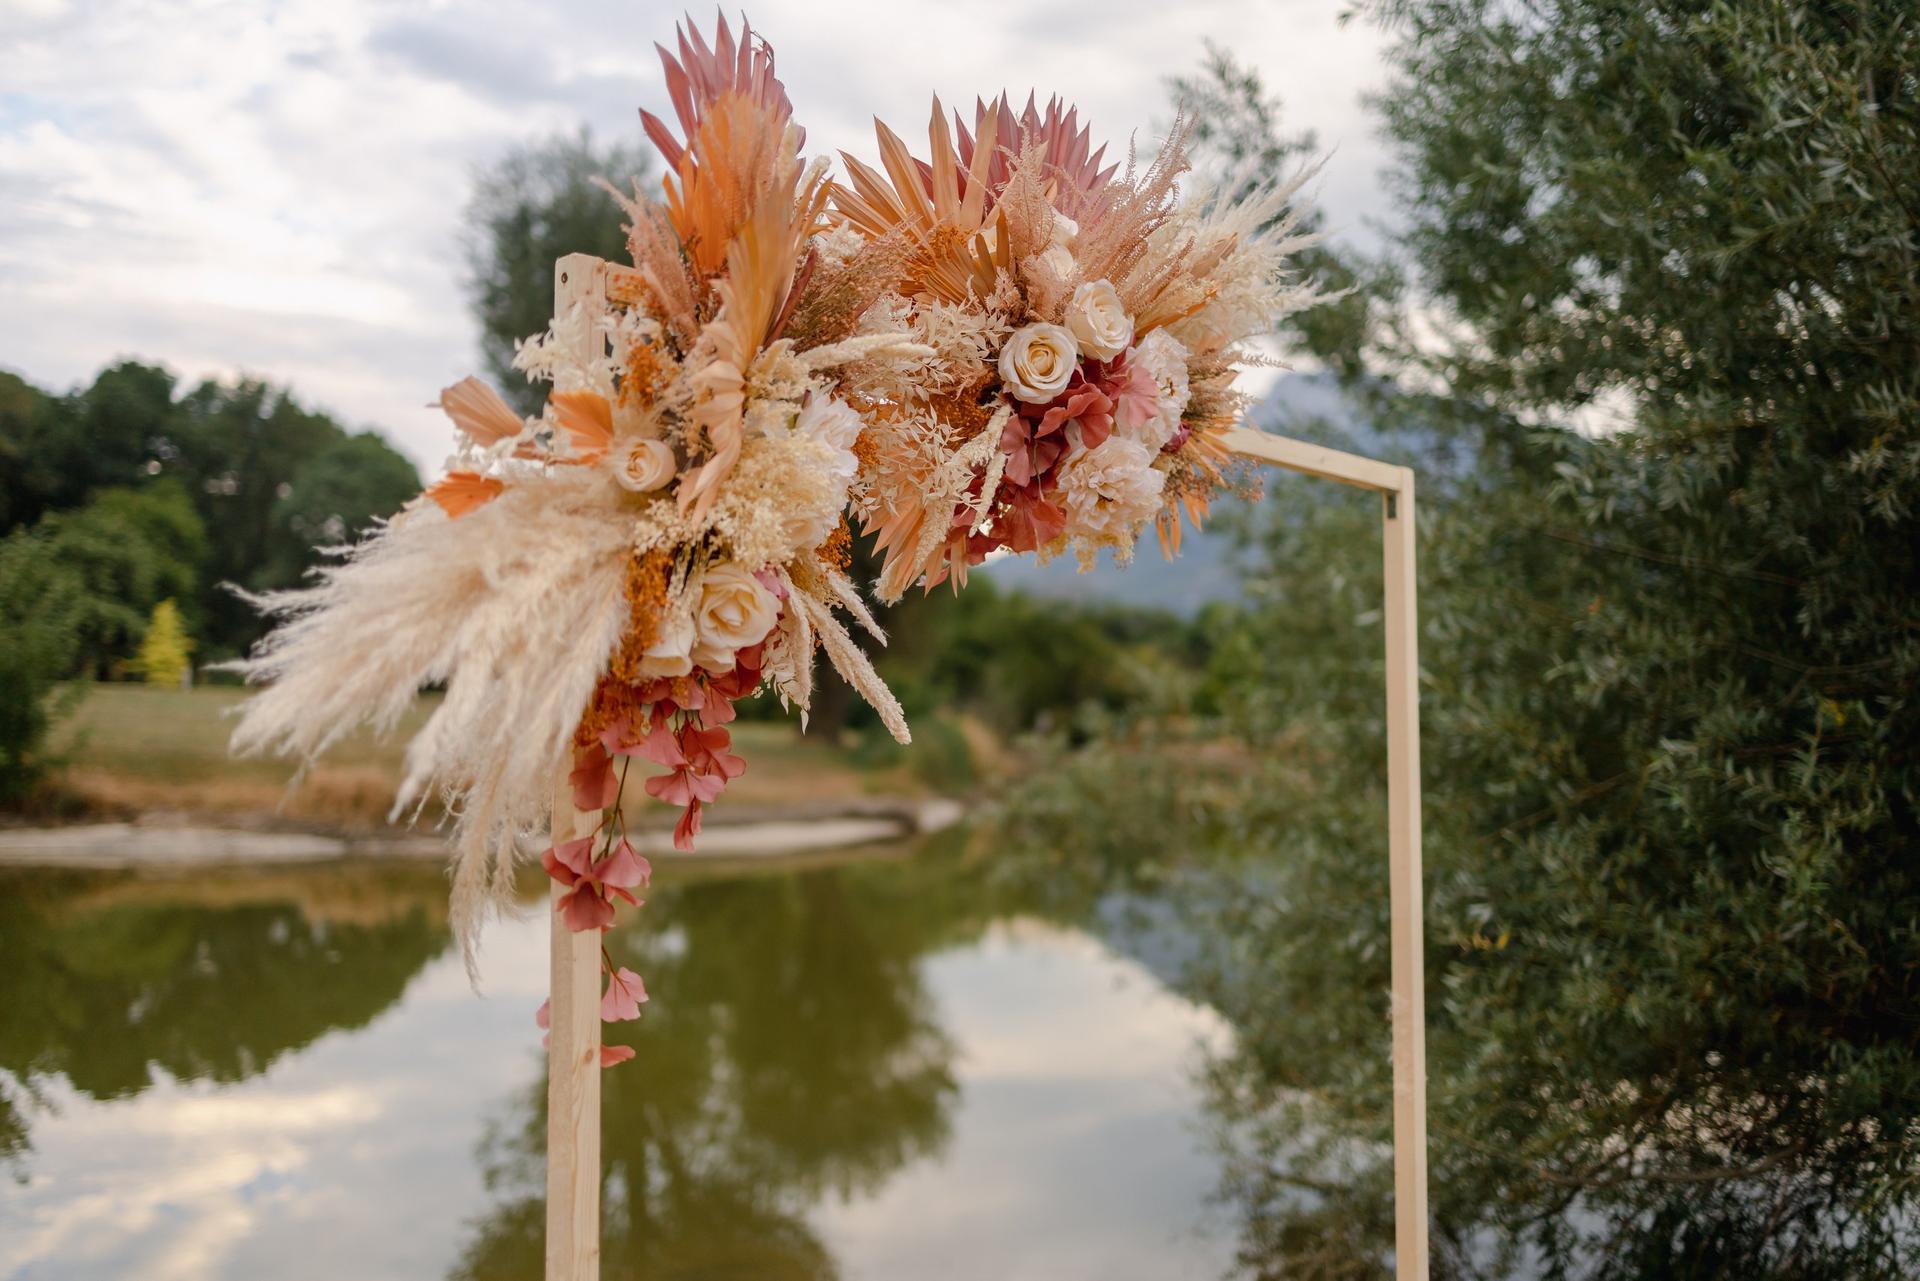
x=624, y=996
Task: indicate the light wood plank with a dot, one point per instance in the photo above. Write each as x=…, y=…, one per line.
x=1316, y=460
x=573, y=1054
x=1408, y=1001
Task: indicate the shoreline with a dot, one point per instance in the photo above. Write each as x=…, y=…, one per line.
x=188, y=841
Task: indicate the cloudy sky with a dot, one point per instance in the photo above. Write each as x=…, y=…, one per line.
x=275, y=186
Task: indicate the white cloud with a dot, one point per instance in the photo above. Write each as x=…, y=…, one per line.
x=226, y=186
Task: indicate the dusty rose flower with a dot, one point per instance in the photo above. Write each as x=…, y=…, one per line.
x=1037, y=362
x=1160, y=360
x=593, y=781
x=732, y=610
x=593, y=885
x=1110, y=490
x=1098, y=321
x=624, y=996
x=649, y=466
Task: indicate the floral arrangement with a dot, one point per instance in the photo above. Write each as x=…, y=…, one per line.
x=1086, y=332
x=1003, y=347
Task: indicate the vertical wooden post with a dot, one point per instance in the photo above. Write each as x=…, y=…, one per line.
x=1408, y=999
x=573, y=1054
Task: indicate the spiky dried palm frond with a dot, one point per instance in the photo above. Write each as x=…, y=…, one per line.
x=1063, y=145
x=940, y=206
x=736, y=125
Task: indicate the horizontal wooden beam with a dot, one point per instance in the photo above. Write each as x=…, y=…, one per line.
x=1318, y=460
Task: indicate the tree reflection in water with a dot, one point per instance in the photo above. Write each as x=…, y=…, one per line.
x=111, y=977
x=790, y=1053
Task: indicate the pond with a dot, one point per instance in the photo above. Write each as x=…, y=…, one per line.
x=871, y=1067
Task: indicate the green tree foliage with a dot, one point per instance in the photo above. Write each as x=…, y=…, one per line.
x=343, y=490
x=39, y=633
x=121, y=495
x=127, y=550
x=57, y=451
x=1691, y=670
x=534, y=205
x=1022, y=662
x=164, y=657
x=273, y=480
x=1660, y=269
x=268, y=479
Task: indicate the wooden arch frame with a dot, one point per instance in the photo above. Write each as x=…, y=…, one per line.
x=573, y=1068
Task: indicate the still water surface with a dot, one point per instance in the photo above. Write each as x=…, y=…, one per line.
x=877, y=1068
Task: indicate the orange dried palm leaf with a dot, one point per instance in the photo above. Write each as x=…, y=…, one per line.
x=587, y=418
x=479, y=413
x=459, y=492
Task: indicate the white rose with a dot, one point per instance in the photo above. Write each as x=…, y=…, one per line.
x=1162, y=358
x=1064, y=230
x=669, y=653
x=1060, y=259
x=648, y=466
x=1109, y=491
x=833, y=421
x=732, y=610
x=1098, y=322
x=1038, y=362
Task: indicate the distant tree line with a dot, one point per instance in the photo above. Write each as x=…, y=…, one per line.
x=129, y=493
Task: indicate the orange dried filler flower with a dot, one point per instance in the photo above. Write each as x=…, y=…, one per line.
x=646, y=593
x=837, y=551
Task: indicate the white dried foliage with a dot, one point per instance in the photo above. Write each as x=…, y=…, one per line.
x=515, y=606
x=852, y=664
x=1255, y=284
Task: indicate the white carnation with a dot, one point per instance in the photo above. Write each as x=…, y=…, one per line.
x=834, y=422
x=1109, y=491
x=832, y=426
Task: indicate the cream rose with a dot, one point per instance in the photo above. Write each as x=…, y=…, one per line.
x=1060, y=260
x=732, y=610
x=649, y=465
x=670, y=653
x=1037, y=362
x=1064, y=231
x=1099, y=324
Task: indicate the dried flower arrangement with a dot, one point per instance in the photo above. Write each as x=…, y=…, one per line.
x=1004, y=347
x=1087, y=325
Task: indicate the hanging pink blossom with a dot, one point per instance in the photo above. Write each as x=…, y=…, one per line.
x=624, y=996
x=592, y=886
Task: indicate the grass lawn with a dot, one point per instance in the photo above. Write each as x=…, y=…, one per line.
x=137, y=748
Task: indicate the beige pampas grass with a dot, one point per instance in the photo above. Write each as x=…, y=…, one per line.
x=515, y=606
